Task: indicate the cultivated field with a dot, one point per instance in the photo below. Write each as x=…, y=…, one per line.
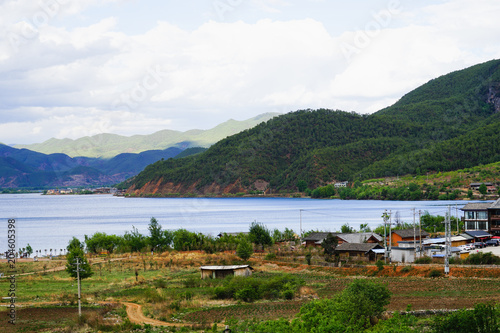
x=169, y=291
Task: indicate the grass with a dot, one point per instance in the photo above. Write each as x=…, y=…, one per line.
x=171, y=289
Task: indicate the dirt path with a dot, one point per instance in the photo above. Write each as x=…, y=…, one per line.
x=134, y=312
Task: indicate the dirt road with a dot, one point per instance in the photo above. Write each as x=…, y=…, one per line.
x=134, y=312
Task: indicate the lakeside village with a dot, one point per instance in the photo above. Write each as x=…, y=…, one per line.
x=69, y=191
x=480, y=228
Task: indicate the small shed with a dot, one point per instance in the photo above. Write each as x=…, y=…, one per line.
x=220, y=272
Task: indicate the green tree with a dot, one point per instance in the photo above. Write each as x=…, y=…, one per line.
x=244, y=249
x=346, y=229
x=259, y=235
x=76, y=252
x=135, y=240
x=483, y=189
x=301, y=185
x=470, y=194
x=29, y=249
x=159, y=239
x=329, y=244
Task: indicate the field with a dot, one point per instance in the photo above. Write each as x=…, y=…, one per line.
x=169, y=289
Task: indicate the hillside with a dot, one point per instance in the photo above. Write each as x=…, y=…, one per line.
x=22, y=168
x=449, y=123
x=109, y=145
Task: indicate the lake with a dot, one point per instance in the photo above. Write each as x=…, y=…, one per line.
x=46, y=221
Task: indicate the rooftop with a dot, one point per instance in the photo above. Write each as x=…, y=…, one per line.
x=406, y=233
x=360, y=247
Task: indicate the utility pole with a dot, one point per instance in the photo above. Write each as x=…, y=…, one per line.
x=420, y=227
x=456, y=216
x=300, y=210
x=390, y=234
x=384, y=216
x=414, y=232
x=79, y=286
x=448, y=242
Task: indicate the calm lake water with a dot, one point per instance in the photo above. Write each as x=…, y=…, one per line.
x=51, y=221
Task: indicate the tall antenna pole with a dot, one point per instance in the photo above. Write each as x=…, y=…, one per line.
x=390, y=234
x=384, y=216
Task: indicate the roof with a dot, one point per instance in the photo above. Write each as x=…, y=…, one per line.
x=495, y=205
x=478, y=234
x=224, y=268
x=479, y=184
x=359, y=237
x=318, y=236
x=406, y=233
x=476, y=206
x=358, y=247
x=467, y=237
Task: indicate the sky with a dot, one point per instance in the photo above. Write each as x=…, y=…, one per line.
x=74, y=68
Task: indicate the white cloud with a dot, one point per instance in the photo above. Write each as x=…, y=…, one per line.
x=81, y=81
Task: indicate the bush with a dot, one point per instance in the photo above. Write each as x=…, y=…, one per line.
x=308, y=258
x=380, y=265
x=270, y=256
x=423, y=260
x=481, y=258
x=406, y=269
x=249, y=289
x=435, y=273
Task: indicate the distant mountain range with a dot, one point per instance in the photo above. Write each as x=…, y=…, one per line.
x=109, y=145
x=449, y=123
x=25, y=168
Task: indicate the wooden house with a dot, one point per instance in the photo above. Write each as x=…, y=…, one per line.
x=359, y=251
x=407, y=235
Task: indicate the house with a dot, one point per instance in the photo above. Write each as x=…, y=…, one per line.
x=494, y=218
x=359, y=251
x=316, y=238
x=220, y=272
x=407, y=235
x=478, y=235
x=476, y=216
x=341, y=184
x=475, y=186
x=482, y=216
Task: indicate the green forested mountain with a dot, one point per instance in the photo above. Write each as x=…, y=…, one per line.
x=109, y=145
x=449, y=123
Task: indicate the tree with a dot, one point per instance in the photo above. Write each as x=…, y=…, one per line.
x=301, y=185
x=483, y=189
x=346, y=229
x=135, y=240
x=259, y=235
x=159, y=240
x=29, y=249
x=363, y=227
x=76, y=252
x=244, y=249
x=329, y=244
x=73, y=243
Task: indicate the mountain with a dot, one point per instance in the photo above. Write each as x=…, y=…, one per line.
x=23, y=168
x=109, y=145
x=448, y=123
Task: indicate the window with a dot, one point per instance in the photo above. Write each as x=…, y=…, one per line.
x=470, y=225
x=482, y=225
x=482, y=215
x=471, y=215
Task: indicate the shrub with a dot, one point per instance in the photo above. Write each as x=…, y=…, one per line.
x=270, y=256
x=249, y=289
x=380, y=265
x=481, y=258
x=435, y=273
x=423, y=260
x=406, y=269
x=308, y=258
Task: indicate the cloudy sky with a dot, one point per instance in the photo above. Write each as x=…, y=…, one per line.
x=72, y=68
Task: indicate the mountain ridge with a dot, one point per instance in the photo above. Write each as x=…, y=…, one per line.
x=323, y=146
x=107, y=145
